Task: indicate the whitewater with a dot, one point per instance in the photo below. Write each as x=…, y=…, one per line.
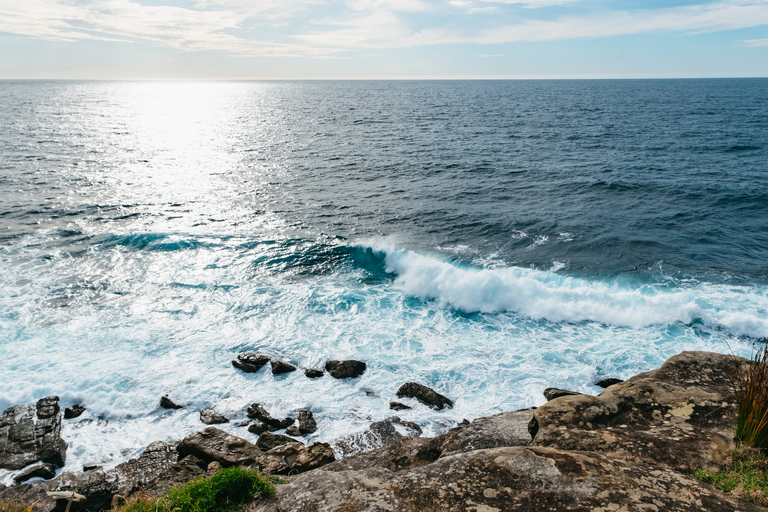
x=487, y=239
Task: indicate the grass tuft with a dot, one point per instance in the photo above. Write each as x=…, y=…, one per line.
x=747, y=480
x=229, y=490
x=751, y=389
x=12, y=506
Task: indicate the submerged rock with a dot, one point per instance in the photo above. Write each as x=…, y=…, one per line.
x=425, y=395
x=250, y=362
x=32, y=433
x=279, y=367
x=167, y=403
x=397, y=406
x=73, y=412
x=348, y=369
x=313, y=373
x=211, y=417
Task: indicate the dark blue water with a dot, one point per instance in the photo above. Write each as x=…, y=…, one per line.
x=487, y=238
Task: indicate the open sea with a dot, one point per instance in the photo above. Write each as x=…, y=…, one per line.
x=486, y=238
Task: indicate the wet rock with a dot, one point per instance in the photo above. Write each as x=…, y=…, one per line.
x=307, y=423
x=380, y=433
x=73, y=412
x=44, y=471
x=425, y=395
x=167, y=403
x=682, y=415
x=608, y=382
x=244, y=423
x=257, y=412
x=32, y=433
x=292, y=458
x=293, y=430
x=258, y=428
x=348, y=369
x=250, y=362
x=137, y=473
x=211, y=417
x=501, y=479
x=279, y=367
x=397, y=406
x=213, y=444
x=552, y=393
x=268, y=441
x=91, y=467
x=313, y=373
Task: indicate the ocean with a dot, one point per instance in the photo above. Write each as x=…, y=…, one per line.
x=488, y=239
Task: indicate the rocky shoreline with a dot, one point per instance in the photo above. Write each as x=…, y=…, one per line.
x=631, y=448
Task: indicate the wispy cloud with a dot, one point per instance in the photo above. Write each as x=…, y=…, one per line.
x=754, y=42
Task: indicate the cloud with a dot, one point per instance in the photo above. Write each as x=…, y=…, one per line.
x=532, y=4
x=754, y=42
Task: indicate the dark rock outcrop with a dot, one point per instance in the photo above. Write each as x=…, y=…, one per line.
x=313, y=373
x=211, y=417
x=32, y=433
x=42, y=470
x=258, y=428
x=73, y=412
x=213, y=444
x=397, y=406
x=257, y=412
x=293, y=430
x=279, y=367
x=682, y=415
x=167, y=403
x=552, y=393
x=605, y=383
x=293, y=458
x=267, y=441
x=425, y=395
x=250, y=362
x=307, y=423
x=348, y=369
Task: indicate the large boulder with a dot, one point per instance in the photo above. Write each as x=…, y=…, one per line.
x=425, y=395
x=682, y=415
x=502, y=479
x=348, y=369
x=293, y=458
x=380, y=433
x=32, y=433
x=156, y=459
x=213, y=444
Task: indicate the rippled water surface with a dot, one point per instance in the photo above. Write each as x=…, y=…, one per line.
x=488, y=239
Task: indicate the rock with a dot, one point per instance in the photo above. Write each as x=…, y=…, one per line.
x=279, y=367
x=185, y=470
x=608, y=382
x=167, y=403
x=73, y=412
x=97, y=487
x=397, y=406
x=213, y=444
x=268, y=441
x=348, y=369
x=244, y=423
x=682, y=415
x=258, y=428
x=380, y=433
x=250, y=362
x=425, y=395
x=118, y=500
x=90, y=467
x=211, y=417
x=307, y=423
x=44, y=471
x=312, y=373
x=32, y=433
x=292, y=458
x=501, y=479
x=213, y=468
x=257, y=412
x=552, y=393
x=293, y=430
x=156, y=459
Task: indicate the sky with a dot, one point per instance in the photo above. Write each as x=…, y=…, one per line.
x=372, y=39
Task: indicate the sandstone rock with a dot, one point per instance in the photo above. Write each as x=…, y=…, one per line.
x=257, y=412
x=608, y=382
x=279, y=367
x=682, y=414
x=307, y=423
x=167, y=403
x=397, y=406
x=380, y=433
x=211, y=417
x=185, y=470
x=213, y=444
x=348, y=369
x=425, y=395
x=552, y=393
x=268, y=441
x=32, y=433
x=156, y=459
x=524, y=479
x=250, y=362
x=44, y=471
x=293, y=458
x=73, y=412
x=312, y=373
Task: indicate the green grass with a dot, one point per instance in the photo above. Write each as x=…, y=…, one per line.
x=747, y=480
x=229, y=490
x=751, y=390
x=11, y=506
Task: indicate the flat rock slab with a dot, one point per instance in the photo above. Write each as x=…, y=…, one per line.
x=503, y=479
x=213, y=444
x=682, y=414
x=32, y=433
